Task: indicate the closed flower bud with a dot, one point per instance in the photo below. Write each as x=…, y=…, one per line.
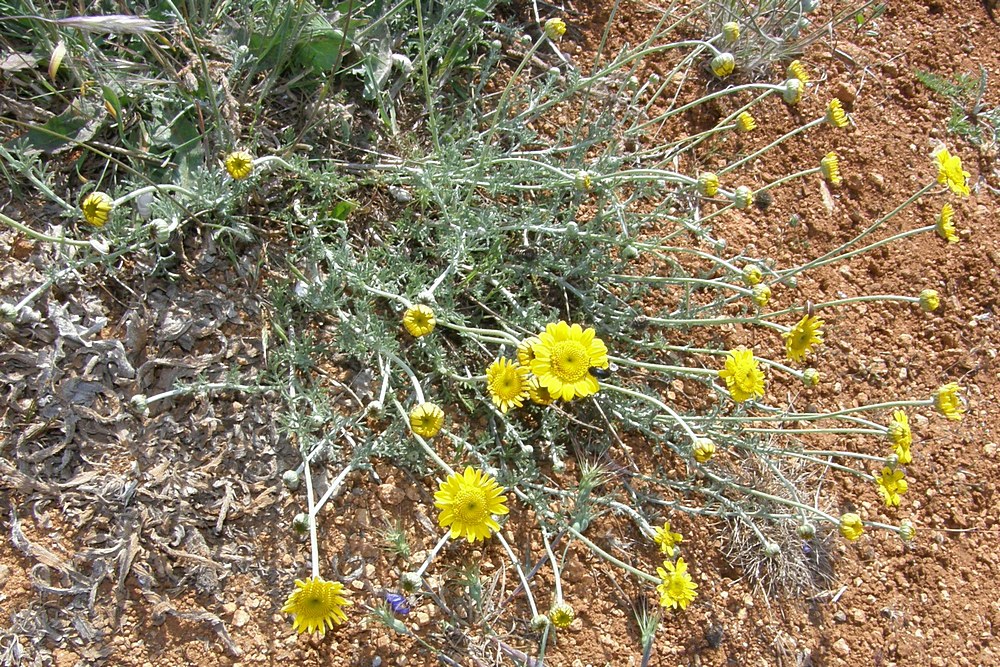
x=761, y=294
x=772, y=550
x=583, y=181
x=723, y=65
x=554, y=28
x=731, y=31
x=410, y=582
x=806, y=531
x=752, y=274
x=708, y=184
x=139, y=404
x=907, y=530
x=792, y=92
x=539, y=622
x=810, y=377
x=290, y=479
x=703, y=450
x=743, y=197
x=929, y=300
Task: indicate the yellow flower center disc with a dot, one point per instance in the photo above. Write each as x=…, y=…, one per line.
x=570, y=360
x=470, y=506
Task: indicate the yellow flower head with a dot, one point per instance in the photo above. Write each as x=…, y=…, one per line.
x=761, y=294
x=830, y=167
x=835, y=114
x=730, y=31
x=96, y=208
x=948, y=403
x=791, y=92
x=525, y=354
x=538, y=394
x=950, y=173
x=742, y=375
x=666, y=539
x=555, y=28
x=946, y=224
x=745, y=122
x=708, y=184
x=468, y=502
x=239, y=164
x=851, y=526
x=564, y=356
x=507, y=383
x=891, y=486
x=901, y=437
x=419, y=320
x=802, y=337
x=723, y=65
x=676, y=588
x=562, y=615
x=929, y=300
x=703, y=450
x=426, y=420
x=797, y=70
x=316, y=604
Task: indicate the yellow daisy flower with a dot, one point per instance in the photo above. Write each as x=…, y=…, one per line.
x=802, y=337
x=96, y=208
x=835, y=114
x=901, y=437
x=948, y=403
x=507, y=383
x=708, y=184
x=239, y=164
x=742, y=375
x=797, y=70
x=676, y=588
x=538, y=394
x=745, y=122
x=468, y=502
x=666, y=539
x=564, y=357
x=946, y=224
x=950, y=173
x=830, y=168
x=851, y=526
x=554, y=28
x=891, y=486
x=562, y=615
x=419, y=320
x=316, y=604
x=426, y=420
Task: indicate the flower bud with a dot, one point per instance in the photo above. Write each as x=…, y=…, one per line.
x=743, y=197
x=723, y=65
x=772, y=550
x=562, y=615
x=410, y=582
x=906, y=530
x=929, y=300
x=806, y=531
x=730, y=31
x=703, y=450
x=810, y=377
x=139, y=404
x=761, y=294
x=555, y=28
x=583, y=181
x=708, y=184
x=539, y=622
x=290, y=479
x=792, y=92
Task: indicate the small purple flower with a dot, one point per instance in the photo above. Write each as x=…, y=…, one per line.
x=398, y=603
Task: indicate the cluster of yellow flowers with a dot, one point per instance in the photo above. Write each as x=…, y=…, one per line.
x=676, y=588
x=556, y=364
